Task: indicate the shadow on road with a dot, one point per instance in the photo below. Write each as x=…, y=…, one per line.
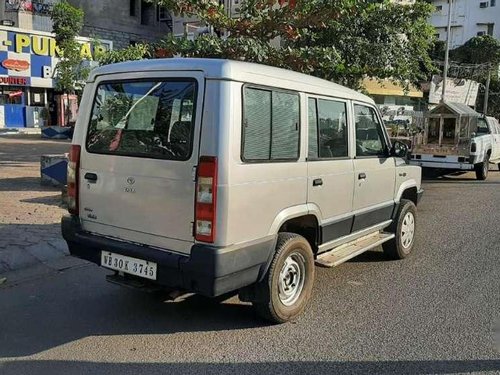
x=40, y=316
x=49, y=200
x=326, y=367
x=24, y=184
x=371, y=256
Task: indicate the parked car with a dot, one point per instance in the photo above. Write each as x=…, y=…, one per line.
x=215, y=176
x=457, y=138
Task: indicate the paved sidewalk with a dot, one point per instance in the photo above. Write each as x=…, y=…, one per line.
x=29, y=213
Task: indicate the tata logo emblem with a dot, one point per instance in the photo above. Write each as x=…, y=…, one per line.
x=130, y=180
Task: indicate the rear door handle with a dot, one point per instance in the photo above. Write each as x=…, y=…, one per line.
x=361, y=176
x=91, y=176
x=317, y=182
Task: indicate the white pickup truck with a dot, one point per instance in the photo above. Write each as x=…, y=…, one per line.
x=458, y=140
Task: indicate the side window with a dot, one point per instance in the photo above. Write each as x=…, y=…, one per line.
x=369, y=134
x=482, y=126
x=327, y=129
x=270, y=125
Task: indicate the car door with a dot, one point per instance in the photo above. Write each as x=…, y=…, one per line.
x=374, y=169
x=330, y=166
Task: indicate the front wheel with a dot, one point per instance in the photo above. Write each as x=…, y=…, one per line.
x=482, y=169
x=404, y=227
x=287, y=285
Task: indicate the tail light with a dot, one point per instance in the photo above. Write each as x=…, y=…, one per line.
x=73, y=177
x=206, y=199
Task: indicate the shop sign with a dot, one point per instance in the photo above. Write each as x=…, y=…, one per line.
x=42, y=45
x=15, y=81
x=17, y=65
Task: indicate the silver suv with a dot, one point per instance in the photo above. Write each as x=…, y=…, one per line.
x=216, y=176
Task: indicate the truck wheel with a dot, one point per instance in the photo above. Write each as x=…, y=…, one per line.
x=482, y=169
x=287, y=285
x=404, y=227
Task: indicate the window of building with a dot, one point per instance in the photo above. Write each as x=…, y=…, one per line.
x=327, y=129
x=270, y=125
x=439, y=8
x=147, y=13
x=480, y=33
x=37, y=97
x=491, y=26
x=483, y=4
x=163, y=14
x=369, y=133
x=132, y=8
x=11, y=95
x=493, y=3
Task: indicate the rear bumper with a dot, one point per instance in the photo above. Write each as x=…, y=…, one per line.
x=208, y=270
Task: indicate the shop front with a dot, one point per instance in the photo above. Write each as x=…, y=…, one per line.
x=28, y=62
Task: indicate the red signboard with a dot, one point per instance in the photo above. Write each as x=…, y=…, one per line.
x=17, y=65
x=14, y=81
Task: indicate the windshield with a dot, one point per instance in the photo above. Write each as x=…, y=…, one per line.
x=144, y=119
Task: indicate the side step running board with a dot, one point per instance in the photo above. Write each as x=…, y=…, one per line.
x=349, y=250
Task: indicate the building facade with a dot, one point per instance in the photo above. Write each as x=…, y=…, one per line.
x=124, y=22
x=29, y=54
x=469, y=18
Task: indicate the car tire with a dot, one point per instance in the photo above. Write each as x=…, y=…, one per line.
x=482, y=169
x=287, y=286
x=498, y=166
x=404, y=227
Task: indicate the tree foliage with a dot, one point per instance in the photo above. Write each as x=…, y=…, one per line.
x=67, y=24
x=338, y=40
x=478, y=50
x=135, y=52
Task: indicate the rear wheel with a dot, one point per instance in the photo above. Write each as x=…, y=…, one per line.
x=404, y=228
x=287, y=285
x=482, y=169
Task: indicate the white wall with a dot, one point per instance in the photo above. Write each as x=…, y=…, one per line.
x=467, y=19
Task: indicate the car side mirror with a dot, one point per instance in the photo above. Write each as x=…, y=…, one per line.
x=399, y=149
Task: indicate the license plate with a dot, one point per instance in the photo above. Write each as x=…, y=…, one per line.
x=133, y=266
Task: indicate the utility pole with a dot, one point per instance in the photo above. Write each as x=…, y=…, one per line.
x=487, y=92
x=2, y=10
x=447, y=51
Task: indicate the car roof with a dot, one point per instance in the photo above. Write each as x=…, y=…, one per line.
x=237, y=71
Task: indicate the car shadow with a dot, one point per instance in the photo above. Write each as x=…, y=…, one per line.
x=25, y=184
x=55, y=367
x=370, y=256
x=79, y=303
x=49, y=200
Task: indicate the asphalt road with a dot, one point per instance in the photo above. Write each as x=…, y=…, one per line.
x=436, y=312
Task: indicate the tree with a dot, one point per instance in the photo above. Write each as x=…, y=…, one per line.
x=136, y=52
x=67, y=24
x=342, y=40
x=483, y=52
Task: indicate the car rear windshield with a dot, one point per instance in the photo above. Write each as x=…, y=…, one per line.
x=153, y=119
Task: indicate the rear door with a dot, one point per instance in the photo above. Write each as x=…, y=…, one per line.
x=374, y=170
x=330, y=167
x=139, y=156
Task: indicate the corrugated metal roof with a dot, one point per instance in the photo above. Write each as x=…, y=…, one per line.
x=458, y=108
